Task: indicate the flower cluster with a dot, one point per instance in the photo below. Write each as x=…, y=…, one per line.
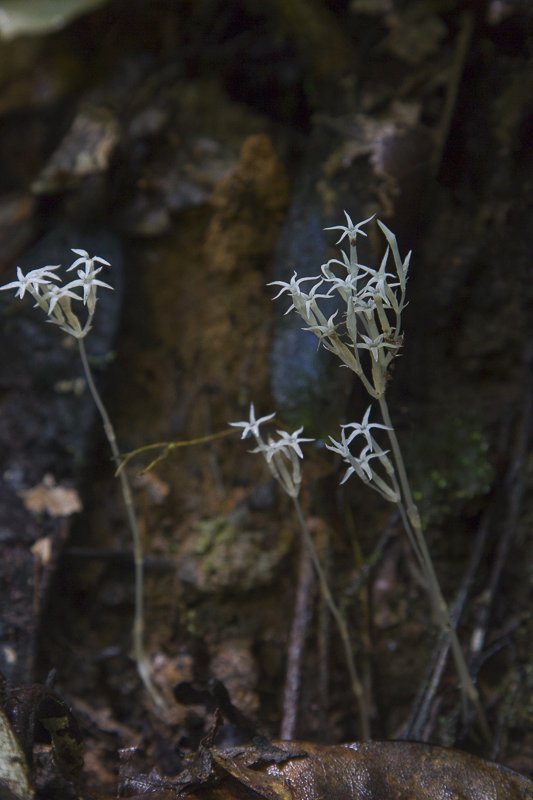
x=55, y=298
x=372, y=301
x=360, y=465
x=369, y=317
x=281, y=455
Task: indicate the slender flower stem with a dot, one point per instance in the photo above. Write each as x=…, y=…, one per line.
x=370, y=309
x=166, y=449
x=357, y=688
x=138, y=556
x=413, y=526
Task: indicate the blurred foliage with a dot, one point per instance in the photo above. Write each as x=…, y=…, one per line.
x=26, y=17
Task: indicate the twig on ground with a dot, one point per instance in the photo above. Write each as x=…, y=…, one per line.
x=303, y=606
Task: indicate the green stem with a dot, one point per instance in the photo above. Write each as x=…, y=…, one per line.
x=138, y=556
x=413, y=526
x=357, y=687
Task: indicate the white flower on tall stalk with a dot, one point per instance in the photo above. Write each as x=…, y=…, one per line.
x=324, y=331
x=88, y=281
x=350, y=230
x=281, y=455
x=251, y=427
x=363, y=428
x=287, y=442
x=55, y=299
x=382, y=283
x=55, y=293
x=32, y=281
x=371, y=301
x=376, y=345
x=304, y=303
x=360, y=465
x=87, y=260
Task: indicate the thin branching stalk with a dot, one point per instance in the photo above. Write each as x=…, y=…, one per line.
x=166, y=449
x=413, y=525
x=282, y=456
x=374, y=299
x=138, y=555
x=340, y=622
x=55, y=298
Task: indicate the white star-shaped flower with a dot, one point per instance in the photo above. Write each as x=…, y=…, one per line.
x=87, y=280
x=32, y=280
x=350, y=229
x=87, y=260
x=363, y=428
x=55, y=293
x=251, y=428
x=289, y=441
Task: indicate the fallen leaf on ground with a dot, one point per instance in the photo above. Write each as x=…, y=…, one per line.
x=58, y=501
